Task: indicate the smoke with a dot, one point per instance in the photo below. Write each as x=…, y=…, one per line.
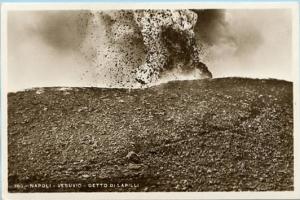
x=133, y=51
x=64, y=31
x=83, y=48
x=149, y=44
x=212, y=27
x=248, y=43
x=169, y=38
x=114, y=47
x=43, y=49
x=221, y=36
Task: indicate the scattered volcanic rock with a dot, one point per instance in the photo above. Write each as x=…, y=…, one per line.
x=133, y=157
x=227, y=134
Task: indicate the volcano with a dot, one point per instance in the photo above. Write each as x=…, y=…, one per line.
x=226, y=134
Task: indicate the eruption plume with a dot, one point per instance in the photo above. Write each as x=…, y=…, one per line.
x=165, y=39
x=169, y=40
x=106, y=48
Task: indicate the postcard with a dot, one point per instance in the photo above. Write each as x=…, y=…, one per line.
x=150, y=100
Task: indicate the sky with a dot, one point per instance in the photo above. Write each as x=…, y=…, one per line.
x=71, y=48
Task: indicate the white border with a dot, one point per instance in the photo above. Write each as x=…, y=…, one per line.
x=294, y=6
x=148, y=5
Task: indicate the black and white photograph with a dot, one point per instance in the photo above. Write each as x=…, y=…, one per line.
x=150, y=99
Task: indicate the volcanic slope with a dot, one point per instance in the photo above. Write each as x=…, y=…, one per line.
x=226, y=134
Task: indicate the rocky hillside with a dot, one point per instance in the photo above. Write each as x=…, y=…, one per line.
x=228, y=134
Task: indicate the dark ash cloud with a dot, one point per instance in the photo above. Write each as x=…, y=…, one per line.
x=213, y=28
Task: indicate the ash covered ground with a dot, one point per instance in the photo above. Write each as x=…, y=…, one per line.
x=227, y=134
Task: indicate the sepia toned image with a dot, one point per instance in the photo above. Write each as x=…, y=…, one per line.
x=150, y=99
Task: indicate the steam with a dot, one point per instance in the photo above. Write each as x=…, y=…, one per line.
x=107, y=48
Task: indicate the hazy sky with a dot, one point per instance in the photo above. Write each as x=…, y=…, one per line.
x=65, y=48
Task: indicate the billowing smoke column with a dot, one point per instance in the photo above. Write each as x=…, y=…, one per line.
x=107, y=48
x=169, y=39
x=149, y=44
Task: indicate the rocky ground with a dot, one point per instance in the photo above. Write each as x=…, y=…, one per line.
x=228, y=134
